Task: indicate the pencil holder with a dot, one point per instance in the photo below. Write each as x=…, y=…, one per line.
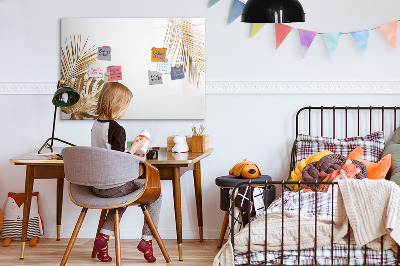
x=200, y=143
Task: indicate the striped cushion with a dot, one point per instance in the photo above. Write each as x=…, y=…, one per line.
x=372, y=145
x=13, y=228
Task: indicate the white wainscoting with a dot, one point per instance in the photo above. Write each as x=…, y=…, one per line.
x=248, y=87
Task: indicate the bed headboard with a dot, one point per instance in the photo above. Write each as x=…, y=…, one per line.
x=344, y=121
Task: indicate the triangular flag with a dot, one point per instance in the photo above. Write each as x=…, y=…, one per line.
x=306, y=39
x=281, y=31
x=332, y=41
x=389, y=30
x=361, y=37
x=213, y=2
x=255, y=28
x=237, y=9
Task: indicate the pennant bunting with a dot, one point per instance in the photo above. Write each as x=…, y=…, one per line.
x=389, y=30
x=361, y=37
x=256, y=27
x=306, y=39
x=213, y=2
x=237, y=9
x=281, y=31
x=332, y=41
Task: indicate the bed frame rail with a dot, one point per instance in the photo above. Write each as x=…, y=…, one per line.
x=350, y=118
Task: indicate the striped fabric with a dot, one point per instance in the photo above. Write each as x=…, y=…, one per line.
x=322, y=207
x=372, y=145
x=13, y=228
x=340, y=253
x=306, y=202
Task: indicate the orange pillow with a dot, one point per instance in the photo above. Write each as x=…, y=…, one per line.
x=375, y=170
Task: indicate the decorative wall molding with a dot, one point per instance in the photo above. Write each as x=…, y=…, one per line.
x=28, y=88
x=303, y=87
x=251, y=87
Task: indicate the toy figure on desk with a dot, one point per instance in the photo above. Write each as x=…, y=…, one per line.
x=12, y=225
x=180, y=144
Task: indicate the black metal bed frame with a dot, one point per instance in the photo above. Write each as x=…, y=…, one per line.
x=283, y=184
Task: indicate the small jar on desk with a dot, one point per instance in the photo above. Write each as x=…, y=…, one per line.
x=226, y=183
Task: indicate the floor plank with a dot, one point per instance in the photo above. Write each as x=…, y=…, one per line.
x=50, y=252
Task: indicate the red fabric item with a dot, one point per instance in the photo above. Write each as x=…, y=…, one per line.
x=146, y=247
x=101, y=245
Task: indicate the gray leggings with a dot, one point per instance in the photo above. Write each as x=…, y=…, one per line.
x=154, y=208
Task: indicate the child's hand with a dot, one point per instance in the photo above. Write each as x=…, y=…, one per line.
x=142, y=155
x=137, y=144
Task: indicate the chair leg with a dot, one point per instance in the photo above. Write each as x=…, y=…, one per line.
x=223, y=229
x=117, y=239
x=154, y=230
x=101, y=222
x=73, y=237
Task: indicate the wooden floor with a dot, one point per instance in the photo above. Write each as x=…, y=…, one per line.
x=50, y=252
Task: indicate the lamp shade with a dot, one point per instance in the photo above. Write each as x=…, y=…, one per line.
x=65, y=96
x=273, y=11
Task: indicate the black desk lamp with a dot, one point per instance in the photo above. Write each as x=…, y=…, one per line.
x=64, y=96
x=273, y=11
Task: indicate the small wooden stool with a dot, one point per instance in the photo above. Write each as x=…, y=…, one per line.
x=226, y=183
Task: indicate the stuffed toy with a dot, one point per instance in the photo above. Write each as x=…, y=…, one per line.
x=180, y=144
x=348, y=170
x=296, y=174
x=375, y=170
x=245, y=169
x=13, y=215
x=328, y=164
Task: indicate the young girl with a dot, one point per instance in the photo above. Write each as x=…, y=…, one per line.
x=113, y=103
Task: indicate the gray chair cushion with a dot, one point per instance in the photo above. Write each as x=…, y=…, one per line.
x=83, y=195
x=99, y=167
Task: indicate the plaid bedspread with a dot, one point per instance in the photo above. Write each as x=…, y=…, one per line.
x=307, y=202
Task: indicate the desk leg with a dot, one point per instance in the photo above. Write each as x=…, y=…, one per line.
x=176, y=182
x=199, y=204
x=60, y=190
x=27, y=206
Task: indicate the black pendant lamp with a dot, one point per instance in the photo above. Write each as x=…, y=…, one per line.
x=273, y=11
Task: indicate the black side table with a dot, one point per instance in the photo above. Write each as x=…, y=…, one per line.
x=226, y=183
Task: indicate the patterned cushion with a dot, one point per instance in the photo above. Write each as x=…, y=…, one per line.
x=372, y=144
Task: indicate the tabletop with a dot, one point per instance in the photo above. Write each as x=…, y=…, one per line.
x=164, y=157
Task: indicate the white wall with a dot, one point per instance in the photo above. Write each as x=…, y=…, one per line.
x=259, y=127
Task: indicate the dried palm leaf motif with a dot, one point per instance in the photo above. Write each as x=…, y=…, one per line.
x=186, y=46
x=89, y=90
x=76, y=55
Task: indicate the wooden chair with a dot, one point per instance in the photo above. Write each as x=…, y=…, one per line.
x=85, y=167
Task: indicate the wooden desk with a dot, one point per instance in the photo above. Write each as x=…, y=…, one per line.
x=171, y=167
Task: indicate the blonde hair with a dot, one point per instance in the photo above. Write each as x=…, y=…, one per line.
x=113, y=98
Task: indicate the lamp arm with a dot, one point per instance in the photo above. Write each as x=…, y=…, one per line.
x=54, y=126
x=46, y=143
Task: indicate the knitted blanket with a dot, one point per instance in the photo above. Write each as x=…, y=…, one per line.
x=371, y=206
x=373, y=209
x=274, y=235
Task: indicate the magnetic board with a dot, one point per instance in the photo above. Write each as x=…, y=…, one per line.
x=131, y=51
